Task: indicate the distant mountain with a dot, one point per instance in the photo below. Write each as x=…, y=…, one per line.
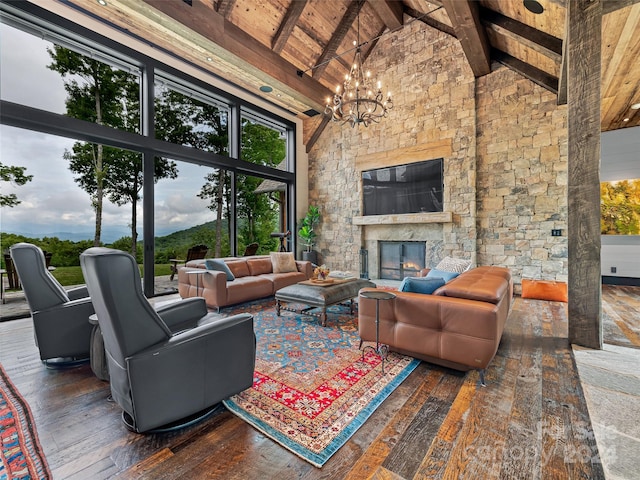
x=109, y=235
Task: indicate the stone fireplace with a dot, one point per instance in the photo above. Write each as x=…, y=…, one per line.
x=400, y=259
x=429, y=237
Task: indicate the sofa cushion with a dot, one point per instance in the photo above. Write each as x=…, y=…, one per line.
x=435, y=273
x=248, y=288
x=421, y=284
x=220, y=266
x=239, y=268
x=259, y=266
x=450, y=264
x=283, y=262
x=476, y=286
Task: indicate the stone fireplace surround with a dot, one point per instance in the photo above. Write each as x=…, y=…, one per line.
x=430, y=233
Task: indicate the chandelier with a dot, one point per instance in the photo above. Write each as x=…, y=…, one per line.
x=360, y=99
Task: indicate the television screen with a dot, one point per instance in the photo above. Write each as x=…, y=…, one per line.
x=412, y=188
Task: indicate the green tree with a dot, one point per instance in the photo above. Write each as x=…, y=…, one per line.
x=214, y=137
x=94, y=93
x=107, y=96
x=15, y=175
x=264, y=146
x=620, y=207
x=191, y=122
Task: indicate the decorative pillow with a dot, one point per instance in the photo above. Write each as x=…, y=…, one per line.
x=545, y=290
x=259, y=266
x=283, y=262
x=220, y=266
x=421, y=284
x=446, y=276
x=449, y=264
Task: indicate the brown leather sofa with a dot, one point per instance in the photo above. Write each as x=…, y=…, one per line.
x=459, y=326
x=254, y=278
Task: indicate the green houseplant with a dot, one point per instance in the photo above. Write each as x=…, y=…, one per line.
x=307, y=233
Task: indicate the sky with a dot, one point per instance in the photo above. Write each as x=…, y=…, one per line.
x=52, y=202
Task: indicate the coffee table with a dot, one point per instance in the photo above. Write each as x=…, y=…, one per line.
x=320, y=295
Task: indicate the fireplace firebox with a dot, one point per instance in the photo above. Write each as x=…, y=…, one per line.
x=400, y=259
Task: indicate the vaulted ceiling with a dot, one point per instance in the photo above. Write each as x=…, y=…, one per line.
x=296, y=47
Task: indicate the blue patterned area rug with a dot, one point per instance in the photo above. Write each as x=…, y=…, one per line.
x=20, y=451
x=313, y=388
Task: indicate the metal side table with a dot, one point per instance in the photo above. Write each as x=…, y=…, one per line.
x=377, y=295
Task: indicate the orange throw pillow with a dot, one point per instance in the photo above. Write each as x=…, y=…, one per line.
x=545, y=290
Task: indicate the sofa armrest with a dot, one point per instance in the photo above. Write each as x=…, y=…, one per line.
x=424, y=272
x=78, y=293
x=305, y=267
x=184, y=314
x=480, y=287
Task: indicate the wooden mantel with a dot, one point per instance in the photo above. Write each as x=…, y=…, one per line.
x=427, y=217
x=400, y=156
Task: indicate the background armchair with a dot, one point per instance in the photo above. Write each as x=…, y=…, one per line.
x=197, y=252
x=158, y=377
x=60, y=317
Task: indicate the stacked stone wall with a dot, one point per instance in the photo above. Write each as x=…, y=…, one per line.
x=433, y=92
x=521, y=177
x=505, y=181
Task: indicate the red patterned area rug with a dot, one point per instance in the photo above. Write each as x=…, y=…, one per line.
x=20, y=451
x=313, y=388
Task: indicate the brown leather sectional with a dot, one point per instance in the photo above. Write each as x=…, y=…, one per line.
x=254, y=279
x=459, y=326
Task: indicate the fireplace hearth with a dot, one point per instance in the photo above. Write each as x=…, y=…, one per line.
x=400, y=259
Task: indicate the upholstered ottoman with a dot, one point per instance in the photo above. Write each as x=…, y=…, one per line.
x=317, y=295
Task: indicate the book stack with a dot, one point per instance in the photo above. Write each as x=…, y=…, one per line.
x=337, y=274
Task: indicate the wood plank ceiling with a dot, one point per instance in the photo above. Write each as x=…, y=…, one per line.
x=297, y=47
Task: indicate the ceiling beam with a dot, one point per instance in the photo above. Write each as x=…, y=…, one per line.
x=465, y=17
x=389, y=11
x=288, y=23
x=235, y=46
x=432, y=22
x=336, y=39
x=562, y=79
x=529, y=71
x=613, y=5
x=224, y=7
x=537, y=40
x=316, y=133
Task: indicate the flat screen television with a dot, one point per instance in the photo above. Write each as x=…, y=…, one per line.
x=411, y=188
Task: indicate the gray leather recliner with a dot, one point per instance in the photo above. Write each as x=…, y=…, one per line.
x=158, y=377
x=60, y=317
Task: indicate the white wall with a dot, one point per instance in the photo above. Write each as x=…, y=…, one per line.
x=621, y=252
x=620, y=161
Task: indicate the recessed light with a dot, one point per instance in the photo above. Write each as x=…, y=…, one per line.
x=266, y=89
x=625, y=119
x=209, y=59
x=533, y=6
x=635, y=106
x=103, y=2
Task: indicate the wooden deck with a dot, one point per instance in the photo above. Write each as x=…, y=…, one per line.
x=531, y=421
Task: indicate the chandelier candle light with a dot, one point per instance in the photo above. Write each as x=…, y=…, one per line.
x=360, y=99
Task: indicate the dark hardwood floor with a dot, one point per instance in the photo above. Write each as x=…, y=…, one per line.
x=531, y=421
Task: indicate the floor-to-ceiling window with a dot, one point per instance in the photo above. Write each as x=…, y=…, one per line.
x=105, y=146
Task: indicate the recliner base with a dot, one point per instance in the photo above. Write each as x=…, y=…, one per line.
x=64, y=362
x=130, y=423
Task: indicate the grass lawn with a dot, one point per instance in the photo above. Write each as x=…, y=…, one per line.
x=73, y=275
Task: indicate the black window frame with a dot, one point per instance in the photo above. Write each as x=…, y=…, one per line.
x=34, y=19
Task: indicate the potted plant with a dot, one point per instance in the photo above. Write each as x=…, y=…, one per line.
x=307, y=233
